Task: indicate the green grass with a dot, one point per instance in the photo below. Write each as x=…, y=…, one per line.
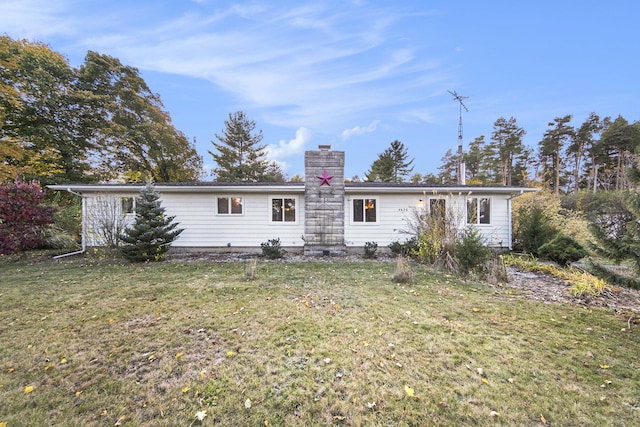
x=109, y=344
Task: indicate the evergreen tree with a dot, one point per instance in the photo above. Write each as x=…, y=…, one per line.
x=448, y=170
x=581, y=146
x=401, y=163
x=552, y=148
x=507, y=146
x=239, y=156
x=475, y=160
x=392, y=165
x=618, y=142
x=152, y=232
x=382, y=169
x=622, y=244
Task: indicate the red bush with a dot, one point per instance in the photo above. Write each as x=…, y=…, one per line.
x=23, y=216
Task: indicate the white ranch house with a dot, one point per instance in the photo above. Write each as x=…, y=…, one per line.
x=321, y=216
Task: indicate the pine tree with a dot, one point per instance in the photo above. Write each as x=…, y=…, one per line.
x=507, y=146
x=621, y=246
x=448, y=170
x=391, y=165
x=239, y=156
x=401, y=163
x=552, y=148
x=381, y=169
x=618, y=235
x=152, y=232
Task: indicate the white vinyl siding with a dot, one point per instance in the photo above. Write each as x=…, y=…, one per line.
x=197, y=213
x=395, y=212
x=203, y=228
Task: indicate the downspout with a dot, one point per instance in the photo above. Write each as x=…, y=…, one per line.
x=82, y=237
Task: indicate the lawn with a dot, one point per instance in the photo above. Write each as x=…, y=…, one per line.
x=89, y=342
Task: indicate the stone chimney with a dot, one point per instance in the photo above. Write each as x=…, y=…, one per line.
x=324, y=202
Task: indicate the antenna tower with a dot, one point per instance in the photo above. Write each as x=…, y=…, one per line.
x=461, y=166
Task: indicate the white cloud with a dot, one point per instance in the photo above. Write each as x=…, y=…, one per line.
x=358, y=130
x=35, y=19
x=289, y=148
x=310, y=65
x=318, y=67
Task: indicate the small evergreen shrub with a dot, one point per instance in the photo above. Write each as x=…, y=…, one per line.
x=471, y=251
x=534, y=230
x=563, y=249
x=406, y=248
x=272, y=249
x=150, y=237
x=370, y=249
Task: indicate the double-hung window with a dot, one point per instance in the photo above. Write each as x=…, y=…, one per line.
x=127, y=205
x=231, y=205
x=365, y=210
x=479, y=210
x=283, y=209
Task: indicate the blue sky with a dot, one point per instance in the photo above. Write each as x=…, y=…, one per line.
x=358, y=74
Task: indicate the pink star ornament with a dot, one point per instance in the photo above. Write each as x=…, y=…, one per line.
x=325, y=179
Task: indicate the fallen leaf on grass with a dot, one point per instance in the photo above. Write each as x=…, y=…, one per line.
x=543, y=420
x=408, y=391
x=3, y=424
x=63, y=360
x=185, y=389
x=28, y=389
x=179, y=355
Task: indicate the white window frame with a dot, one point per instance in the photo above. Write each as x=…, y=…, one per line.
x=478, y=219
x=296, y=209
x=126, y=199
x=364, y=221
x=229, y=205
